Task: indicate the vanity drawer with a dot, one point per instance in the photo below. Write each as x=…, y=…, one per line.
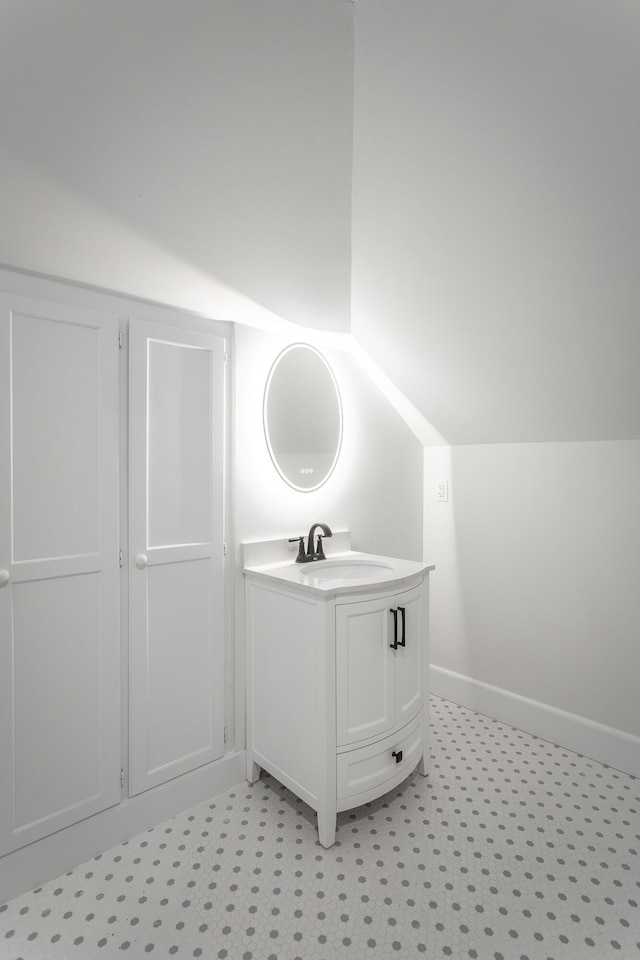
x=365, y=773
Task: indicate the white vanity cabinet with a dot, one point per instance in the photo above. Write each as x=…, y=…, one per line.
x=337, y=688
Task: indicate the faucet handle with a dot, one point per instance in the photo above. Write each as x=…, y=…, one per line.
x=320, y=549
x=301, y=557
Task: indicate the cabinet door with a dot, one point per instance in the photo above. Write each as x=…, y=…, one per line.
x=408, y=658
x=176, y=569
x=365, y=699
x=378, y=684
x=59, y=579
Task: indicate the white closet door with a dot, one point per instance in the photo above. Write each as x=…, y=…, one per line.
x=59, y=630
x=176, y=569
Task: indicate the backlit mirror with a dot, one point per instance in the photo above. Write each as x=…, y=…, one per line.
x=302, y=417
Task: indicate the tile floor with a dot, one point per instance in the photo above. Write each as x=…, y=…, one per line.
x=511, y=849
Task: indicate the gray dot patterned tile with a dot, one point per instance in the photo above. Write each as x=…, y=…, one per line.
x=511, y=849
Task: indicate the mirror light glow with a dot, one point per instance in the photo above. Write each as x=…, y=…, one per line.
x=302, y=416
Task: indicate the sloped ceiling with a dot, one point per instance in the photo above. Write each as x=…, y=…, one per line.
x=200, y=154
x=496, y=213
x=196, y=152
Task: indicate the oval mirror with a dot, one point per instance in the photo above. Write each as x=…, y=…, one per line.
x=302, y=417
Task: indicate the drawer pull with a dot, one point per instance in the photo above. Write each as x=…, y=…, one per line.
x=397, y=754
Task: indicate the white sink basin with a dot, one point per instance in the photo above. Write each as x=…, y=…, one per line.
x=342, y=574
x=345, y=569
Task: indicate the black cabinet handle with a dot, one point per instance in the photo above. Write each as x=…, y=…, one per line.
x=397, y=754
x=401, y=642
x=394, y=645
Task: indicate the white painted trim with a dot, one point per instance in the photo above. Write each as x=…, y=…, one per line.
x=45, y=859
x=615, y=748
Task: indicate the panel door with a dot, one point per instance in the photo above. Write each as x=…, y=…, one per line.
x=59, y=619
x=408, y=658
x=365, y=695
x=176, y=570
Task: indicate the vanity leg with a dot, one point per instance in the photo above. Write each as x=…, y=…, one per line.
x=422, y=765
x=327, y=827
x=253, y=770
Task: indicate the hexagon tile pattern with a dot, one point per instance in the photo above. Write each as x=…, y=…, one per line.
x=511, y=849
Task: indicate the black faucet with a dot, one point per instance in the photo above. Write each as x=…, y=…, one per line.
x=314, y=551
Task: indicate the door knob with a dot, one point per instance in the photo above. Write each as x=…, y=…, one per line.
x=141, y=561
x=4, y=578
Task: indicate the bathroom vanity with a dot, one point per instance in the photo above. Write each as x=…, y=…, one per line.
x=337, y=663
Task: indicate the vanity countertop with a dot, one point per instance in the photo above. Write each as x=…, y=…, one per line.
x=344, y=573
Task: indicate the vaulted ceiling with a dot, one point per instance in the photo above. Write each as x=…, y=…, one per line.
x=496, y=213
x=469, y=203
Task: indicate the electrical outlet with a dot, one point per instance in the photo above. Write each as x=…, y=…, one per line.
x=442, y=491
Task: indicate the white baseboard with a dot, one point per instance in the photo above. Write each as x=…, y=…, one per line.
x=615, y=748
x=33, y=865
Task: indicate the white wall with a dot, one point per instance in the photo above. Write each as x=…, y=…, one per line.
x=536, y=589
x=197, y=153
x=495, y=238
